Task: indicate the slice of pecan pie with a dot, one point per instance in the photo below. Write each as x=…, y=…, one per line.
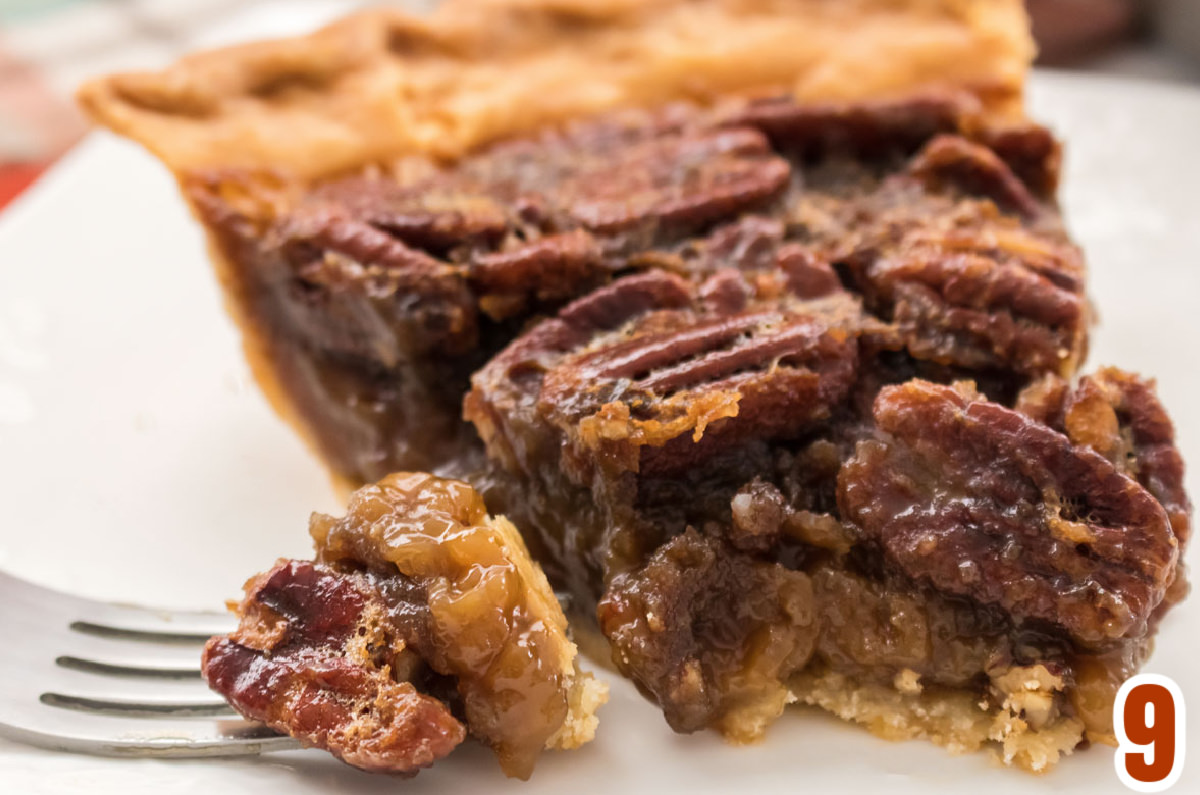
x=764, y=323
x=422, y=620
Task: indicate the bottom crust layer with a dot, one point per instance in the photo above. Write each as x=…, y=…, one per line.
x=955, y=720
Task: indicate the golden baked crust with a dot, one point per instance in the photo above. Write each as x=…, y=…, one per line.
x=953, y=719
x=383, y=83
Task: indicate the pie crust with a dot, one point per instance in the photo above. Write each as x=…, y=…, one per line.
x=382, y=83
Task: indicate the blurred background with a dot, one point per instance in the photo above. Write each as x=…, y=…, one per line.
x=47, y=47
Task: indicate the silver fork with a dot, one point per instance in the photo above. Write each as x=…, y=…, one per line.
x=89, y=677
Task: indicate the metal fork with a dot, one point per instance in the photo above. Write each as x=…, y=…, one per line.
x=89, y=677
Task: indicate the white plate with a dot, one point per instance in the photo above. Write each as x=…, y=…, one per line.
x=137, y=461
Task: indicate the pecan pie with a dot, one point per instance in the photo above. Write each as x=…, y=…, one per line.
x=765, y=328
x=421, y=620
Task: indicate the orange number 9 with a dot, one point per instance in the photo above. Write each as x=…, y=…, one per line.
x=1160, y=734
x=1148, y=716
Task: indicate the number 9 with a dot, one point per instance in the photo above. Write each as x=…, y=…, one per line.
x=1149, y=719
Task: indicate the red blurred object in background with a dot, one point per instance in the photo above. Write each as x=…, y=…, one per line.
x=16, y=177
x=37, y=124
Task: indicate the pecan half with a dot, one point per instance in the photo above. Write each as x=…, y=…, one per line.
x=549, y=270
x=991, y=301
x=613, y=407
x=438, y=214
x=677, y=182
x=984, y=502
x=320, y=656
x=658, y=394
x=1030, y=150
x=754, y=247
x=868, y=129
x=504, y=401
x=635, y=179
x=1118, y=415
x=976, y=170
x=358, y=292
x=660, y=400
x=507, y=248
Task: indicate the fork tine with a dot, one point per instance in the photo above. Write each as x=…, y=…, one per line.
x=99, y=634
x=127, y=668
x=158, y=626
x=142, y=635
x=115, y=680
x=109, y=619
x=109, y=736
x=138, y=706
x=157, y=694
x=116, y=651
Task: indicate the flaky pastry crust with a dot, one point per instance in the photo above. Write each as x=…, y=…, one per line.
x=383, y=83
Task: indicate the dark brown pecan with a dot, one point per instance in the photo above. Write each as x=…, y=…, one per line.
x=974, y=169
x=613, y=407
x=633, y=179
x=676, y=182
x=552, y=269
x=662, y=393
x=1030, y=150
x=984, y=502
x=609, y=307
x=750, y=243
x=808, y=274
x=437, y=214
x=1118, y=415
x=504, y=401
x=651, y=375
x=981, y=302
x=601, y=311
x=358, y=292
x=725, y=292
x=316, y=657
x=754, y=247
x=711, y=634
x=867, y=129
